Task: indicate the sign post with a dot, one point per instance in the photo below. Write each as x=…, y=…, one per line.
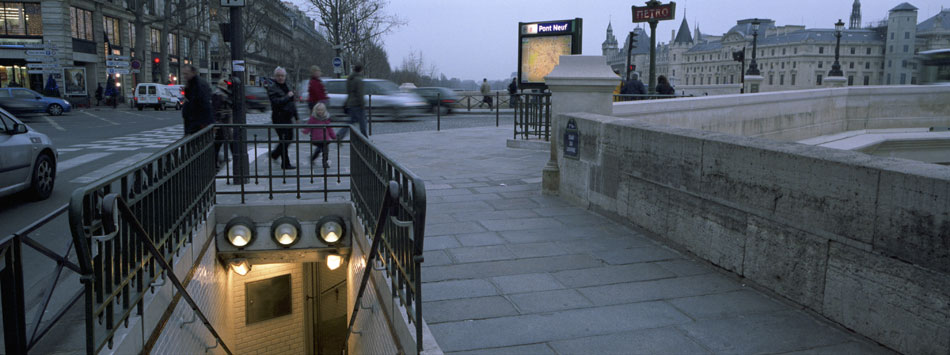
x=653, y=13
x=238, y=136
x=337, y=65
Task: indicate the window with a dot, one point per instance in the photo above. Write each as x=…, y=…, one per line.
x=793, y=79
x=867, y=65
x=203, y=51
x=851, y=65
x=21, y=19
x=891, y=48
x=24, y=94
x=81, y=22
x=892, y=35
x=906, y=35
x=783, y=51
x=888, y=79
x=132, y=36
x=820, y=64
x=783, y=65
x=913, y=80
x=186, y=47
x=793, y=65
x=732, y=79
x=904, y=64
x=781, y=79
x=867, y=80
x=795, y=50
x=674, y=57
x=821, y=50
x=818, y=81
x=903, y=78
x=773, y=51
x=173, y=44
x=853, y=49
x=869, y=50
x=850, y=80
x=905, y=48
x=771, y=79
x=155, y=44
x=110, y=26
x=889, y=63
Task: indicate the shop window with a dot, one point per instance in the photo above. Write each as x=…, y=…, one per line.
x=111, y=27
x=81, y=22
x=156, y=41
x=173, y=44
x=132, y=36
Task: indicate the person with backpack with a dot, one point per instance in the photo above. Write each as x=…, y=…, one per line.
x=486, y=92
x=513, y=92
x=320, y=136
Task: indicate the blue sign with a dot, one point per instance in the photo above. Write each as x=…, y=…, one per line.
x=337, y=62
x=572, y=140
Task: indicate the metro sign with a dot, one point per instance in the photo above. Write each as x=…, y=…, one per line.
x=656, y=12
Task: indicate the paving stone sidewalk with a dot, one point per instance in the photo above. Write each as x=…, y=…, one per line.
x=509, y=271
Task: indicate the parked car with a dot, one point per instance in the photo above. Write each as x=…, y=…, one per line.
x=387, y=100
x=153, y=95
x=255, y=97
x=442, y=99
x=23, y=100
x=27, y=159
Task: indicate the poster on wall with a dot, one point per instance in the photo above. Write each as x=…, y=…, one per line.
x=75, y=79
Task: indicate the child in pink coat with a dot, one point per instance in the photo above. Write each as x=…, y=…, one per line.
x=320, y=136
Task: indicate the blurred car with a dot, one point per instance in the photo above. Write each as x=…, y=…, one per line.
x=175, y=97
x=255, y=97
x=387, y=100
x=155, y=95
x=27, y=159
x=442, y=99
x=23, y=100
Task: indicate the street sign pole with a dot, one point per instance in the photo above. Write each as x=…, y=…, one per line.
x=652, y=88
x=239, y=141
x=653, y=13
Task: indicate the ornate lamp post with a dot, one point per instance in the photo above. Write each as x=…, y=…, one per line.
x=753, y=67
x=836, y=68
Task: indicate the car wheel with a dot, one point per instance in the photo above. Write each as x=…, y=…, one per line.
x=444, y=110
x=44, y=176
x=55, y=110
x=178, y=106
x=158, y=107
x=140, y=107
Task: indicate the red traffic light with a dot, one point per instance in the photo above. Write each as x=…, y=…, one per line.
x=228, y=82
x=156, y=60
x=632, y=67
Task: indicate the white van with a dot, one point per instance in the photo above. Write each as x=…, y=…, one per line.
x=153, y=95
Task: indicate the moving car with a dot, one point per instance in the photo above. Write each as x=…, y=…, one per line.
x=442, y=99
x=152, y=95
x=175, y=97
x=23, y=100
x=27, y=159
x=255, y=97
x=387, y=100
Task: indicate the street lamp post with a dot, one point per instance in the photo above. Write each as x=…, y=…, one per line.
x=753, y=67
x=836, y=68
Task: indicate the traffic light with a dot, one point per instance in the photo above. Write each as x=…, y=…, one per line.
x=156, y=60
x=633, y=39
x=632, y=68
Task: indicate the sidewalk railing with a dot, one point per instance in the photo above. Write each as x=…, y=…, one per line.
x=533, y=116
x=637, y=97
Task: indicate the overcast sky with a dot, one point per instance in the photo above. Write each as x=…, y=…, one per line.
x=472, y=39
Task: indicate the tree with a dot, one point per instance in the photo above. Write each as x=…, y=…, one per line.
x=414, y=69
x=353, y=26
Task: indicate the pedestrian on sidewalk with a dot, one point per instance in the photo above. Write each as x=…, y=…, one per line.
x=486, y=92
x=663, y=86
x=316, y=92
x=354, y=101
x=222, y=106
x=513, y=92
x=283, y=111
x=196, y=110
x=98, y=93
x=634, y=87
x=320, y=136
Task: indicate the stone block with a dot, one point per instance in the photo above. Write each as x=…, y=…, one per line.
x=549, y=301
x=479, y=254
x=712, y=231
x=895, y=303
x=453, y=228
x=438, y=291
x=509, y=267
x=440, y=242
x=512, y=284
x=707, y=284
x=777, y=332
x=498, y=225
x=494, y=215
x=726, y=305
x=533, y=349
x=480, y=239
x=467, y=308
x=668, y=340
x=611, y=275
x=913, y=214
x=647, y=253
x=645, y=204
x=789, y=261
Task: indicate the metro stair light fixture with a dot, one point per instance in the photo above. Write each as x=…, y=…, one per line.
x=285, y=231
x=240, y=232
x=331, y=229
x=334, y=261
x=240, y=266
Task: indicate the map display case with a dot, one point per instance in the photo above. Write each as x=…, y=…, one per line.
x=540, y=47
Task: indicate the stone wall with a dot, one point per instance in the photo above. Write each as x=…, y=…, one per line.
x=861, y=240
x=797, y=115
x=708, y=90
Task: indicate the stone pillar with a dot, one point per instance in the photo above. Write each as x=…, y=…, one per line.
x=836, y=81
x=753, y=83
x=580, y=83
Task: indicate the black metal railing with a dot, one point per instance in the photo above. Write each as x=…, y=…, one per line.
x=533, y=116
x=402, y=236
x=171, y=193
x=18, y=337
x=266, y=176
x=638, y=97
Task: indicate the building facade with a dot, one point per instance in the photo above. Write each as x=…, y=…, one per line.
x=792, y=57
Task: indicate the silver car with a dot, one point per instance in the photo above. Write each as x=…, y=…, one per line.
x=387, y=100
x=27, y=159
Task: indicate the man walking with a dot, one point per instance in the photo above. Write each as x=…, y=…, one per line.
x=196, y=111
x=513, y=92
x=354, y=101
x=283, y=111
x=316, y=93
x=634, y=87
x=486, y=92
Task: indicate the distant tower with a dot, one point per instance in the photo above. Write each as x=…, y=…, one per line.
x=682, y=42
x=900, y=45
x=610, y=44
x=855, y=15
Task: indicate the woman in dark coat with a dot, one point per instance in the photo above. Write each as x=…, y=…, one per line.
x=283, y=111
x=663, y=86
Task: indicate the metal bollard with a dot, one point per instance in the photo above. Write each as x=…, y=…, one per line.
x=370, y=114
x=497, y=108
x=438, y=111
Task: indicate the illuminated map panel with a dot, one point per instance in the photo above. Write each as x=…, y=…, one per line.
x=539, y=56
